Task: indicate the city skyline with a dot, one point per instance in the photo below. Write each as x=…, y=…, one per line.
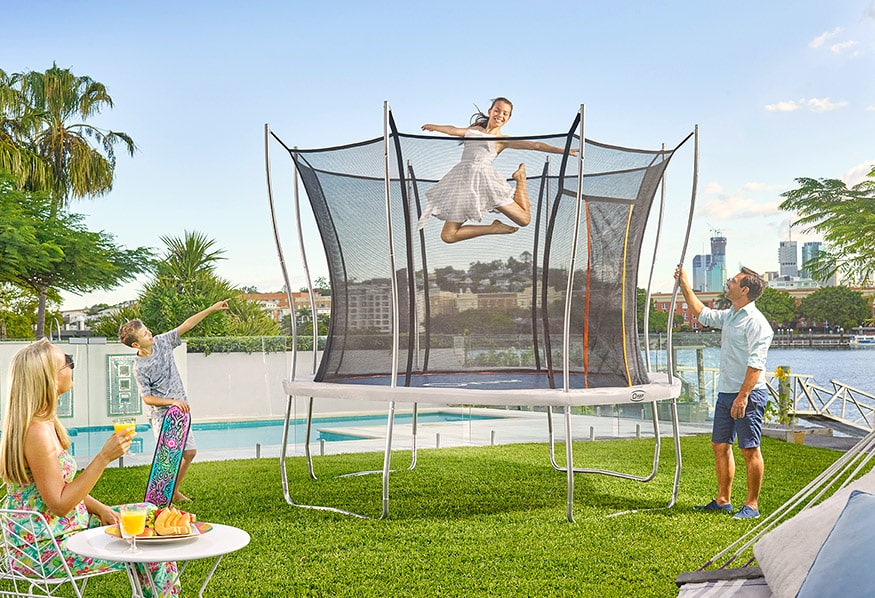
x=195, y=84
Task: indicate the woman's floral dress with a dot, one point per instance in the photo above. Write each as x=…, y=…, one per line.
x=27, y=497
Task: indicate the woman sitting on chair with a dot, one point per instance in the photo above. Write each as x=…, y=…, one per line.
x=39, y=470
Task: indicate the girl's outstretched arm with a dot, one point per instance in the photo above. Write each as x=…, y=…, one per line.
x=538, y=146
x=445, y=129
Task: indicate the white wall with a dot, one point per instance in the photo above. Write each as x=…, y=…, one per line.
x=220, y=386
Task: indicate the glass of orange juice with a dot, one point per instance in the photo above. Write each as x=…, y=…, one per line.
x=124, y=423
x=132, y=524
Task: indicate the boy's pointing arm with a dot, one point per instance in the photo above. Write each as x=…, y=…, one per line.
x=193, y=321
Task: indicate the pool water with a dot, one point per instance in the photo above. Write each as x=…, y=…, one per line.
x=246, y=434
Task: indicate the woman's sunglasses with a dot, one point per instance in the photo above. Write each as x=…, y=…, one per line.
x=68, y=361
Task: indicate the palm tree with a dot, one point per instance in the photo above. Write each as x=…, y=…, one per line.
x=186, y=282
x=188, y=259
x=28, y=169
x=50, y=103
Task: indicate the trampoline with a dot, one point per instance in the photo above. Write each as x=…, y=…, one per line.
x=544, y=317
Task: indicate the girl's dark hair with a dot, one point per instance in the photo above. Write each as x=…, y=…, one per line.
x=480, y=119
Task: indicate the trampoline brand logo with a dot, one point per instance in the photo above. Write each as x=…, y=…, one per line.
x=638, y=396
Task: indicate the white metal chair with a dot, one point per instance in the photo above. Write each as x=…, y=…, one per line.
x=32, y=563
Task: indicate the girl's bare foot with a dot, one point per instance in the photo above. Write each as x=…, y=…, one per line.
x=180, y=497
x=500, y=228
x=520, y=174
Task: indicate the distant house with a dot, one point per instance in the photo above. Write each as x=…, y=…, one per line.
x=276, y=305
x=302, y=302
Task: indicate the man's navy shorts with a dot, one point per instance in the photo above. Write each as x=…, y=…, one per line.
x=749, y=428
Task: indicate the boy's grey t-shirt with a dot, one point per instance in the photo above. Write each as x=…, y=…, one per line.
x=157, y=374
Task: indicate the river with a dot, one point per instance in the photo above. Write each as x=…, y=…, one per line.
x=853, y=367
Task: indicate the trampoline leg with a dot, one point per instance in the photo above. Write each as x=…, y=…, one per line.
x=307, y=440
x=677, y=452
x=283, y=473
x=570, y=470
x=552, y=441
x=387, y=459
x=413, y=439
x=569, y=465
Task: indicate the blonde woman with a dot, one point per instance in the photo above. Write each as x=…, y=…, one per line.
x=38, y=468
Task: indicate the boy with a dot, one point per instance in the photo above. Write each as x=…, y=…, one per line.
x=159, y=380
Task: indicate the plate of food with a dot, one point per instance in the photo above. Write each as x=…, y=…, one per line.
x=166, y=525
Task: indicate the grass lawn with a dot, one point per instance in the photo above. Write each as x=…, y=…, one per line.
x=474, y=521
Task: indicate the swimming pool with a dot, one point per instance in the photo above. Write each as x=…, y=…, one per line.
x=246, y=434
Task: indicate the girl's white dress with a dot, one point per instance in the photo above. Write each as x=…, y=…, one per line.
x=471, y=187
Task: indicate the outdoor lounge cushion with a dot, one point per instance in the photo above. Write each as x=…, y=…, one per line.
x=785, y=554
x=841, y=568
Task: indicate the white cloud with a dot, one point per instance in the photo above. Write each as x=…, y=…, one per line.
x=823, y=37
x=783, y=107
x=812, y=104
x=734, y=206
x=824, y=105
x=870, y=108
x=839, y=47
x=842, y=46
x=712, y=188
x=858, y=173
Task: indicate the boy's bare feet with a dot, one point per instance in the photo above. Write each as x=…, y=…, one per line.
x=500, y=228
x=520, y=174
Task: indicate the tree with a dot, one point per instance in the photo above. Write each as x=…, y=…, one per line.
x=839, y=306
x=778, y=307
x=323, y=285
x=186, y=282
x=108, y=325
x=249, y=319
x=846, y=219
x=485, y=320
x=658, y=320
x=305, y=324
x=188, y=259
x=44, y=115
x=28, y=169
x=17, y=312
x=44, y=252
x=43, y=145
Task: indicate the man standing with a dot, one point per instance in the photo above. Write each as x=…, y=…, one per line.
x=741, y=392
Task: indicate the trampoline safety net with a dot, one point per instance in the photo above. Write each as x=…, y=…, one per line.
x=495, y=303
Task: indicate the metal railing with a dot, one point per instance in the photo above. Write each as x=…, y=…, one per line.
x=845, y=408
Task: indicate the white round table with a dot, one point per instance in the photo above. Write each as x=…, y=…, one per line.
x=219, y=541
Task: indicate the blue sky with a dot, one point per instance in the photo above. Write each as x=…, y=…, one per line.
x=780, y=90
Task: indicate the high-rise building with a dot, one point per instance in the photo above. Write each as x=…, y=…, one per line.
x=809, y=250
x=700, y=272
x=788, y=259
x=717, y=268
